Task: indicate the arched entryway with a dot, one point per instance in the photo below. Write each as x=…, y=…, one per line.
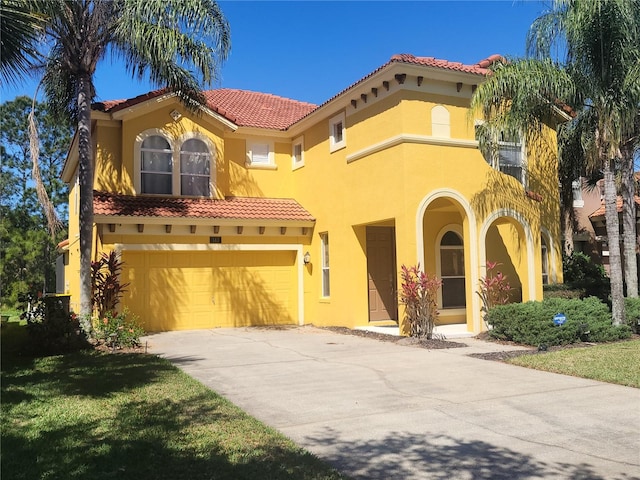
x=506, y=239
x=447, y=247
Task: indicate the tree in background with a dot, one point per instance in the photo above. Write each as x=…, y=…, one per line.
x=28, y=251
x=599, y=77
x=159, y=38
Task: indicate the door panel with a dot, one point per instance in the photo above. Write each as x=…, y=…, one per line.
x=381, y=270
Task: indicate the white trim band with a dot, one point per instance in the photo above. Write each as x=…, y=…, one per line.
x=411, y=138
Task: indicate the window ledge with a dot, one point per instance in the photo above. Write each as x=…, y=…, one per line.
x=337, y=146
x=261, y=167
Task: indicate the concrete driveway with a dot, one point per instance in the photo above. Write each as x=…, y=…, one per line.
x=378, y=410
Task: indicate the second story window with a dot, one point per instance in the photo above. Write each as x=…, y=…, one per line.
x=576, y=187
x=337, y=133
x=297, y=153
x=260, y=154
x=195, y=168
x=156, y=169
x=167, y=166
x=511, y=157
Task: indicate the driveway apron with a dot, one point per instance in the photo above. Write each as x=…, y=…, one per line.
x=380, y=410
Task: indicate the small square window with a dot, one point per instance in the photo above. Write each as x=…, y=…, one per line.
x=337, y=133
x=260, y=154
x=297, y=153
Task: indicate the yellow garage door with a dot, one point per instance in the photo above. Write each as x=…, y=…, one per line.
x=191, y=290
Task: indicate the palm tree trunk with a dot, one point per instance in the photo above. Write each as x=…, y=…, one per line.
x=85, y=161
x=629, y=222
x=613, y=239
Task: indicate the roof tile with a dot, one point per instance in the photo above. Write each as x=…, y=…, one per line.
x=601, y=211
x=241, y=208
x=263, y=110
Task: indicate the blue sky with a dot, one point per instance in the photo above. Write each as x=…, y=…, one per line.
x=310, y=51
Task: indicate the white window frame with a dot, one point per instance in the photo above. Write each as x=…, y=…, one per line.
x=137, y=160
x=212, y=162
x=576, y=189
x=176, y=146
x=334, y=143
x=254, y=145
x=325, y=287
x=544, y=257
x=523, y=159
x=295, y=161
x=457, y=229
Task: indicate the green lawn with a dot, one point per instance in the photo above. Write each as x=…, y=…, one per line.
x=105, y=416
x=614, y=362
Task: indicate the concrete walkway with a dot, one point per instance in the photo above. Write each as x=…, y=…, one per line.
x=378, y=410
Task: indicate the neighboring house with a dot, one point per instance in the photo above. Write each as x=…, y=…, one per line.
x=589, y=226
x=586, y=200
x=264, y=210
x=600, y=230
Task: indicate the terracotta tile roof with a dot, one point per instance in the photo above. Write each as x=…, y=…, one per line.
x=600, y=211
x=242, y=208
x=115, y=105
x=263, y=110
x=480, y=68
x=253, y=109
x=242, y=107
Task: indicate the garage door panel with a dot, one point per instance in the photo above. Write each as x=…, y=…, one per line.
x=189, y=290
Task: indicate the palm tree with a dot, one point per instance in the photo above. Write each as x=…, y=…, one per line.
x=158, y=38
x=599, y=78
x=20, y=30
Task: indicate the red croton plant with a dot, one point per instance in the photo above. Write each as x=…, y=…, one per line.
x=419, y=296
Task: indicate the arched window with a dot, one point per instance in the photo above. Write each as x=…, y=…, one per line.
x=195, y=168
x=452, y=270
x=156, y=165
x=170, y=166
x=440, y=123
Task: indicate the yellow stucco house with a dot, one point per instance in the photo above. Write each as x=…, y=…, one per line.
x=264, y=210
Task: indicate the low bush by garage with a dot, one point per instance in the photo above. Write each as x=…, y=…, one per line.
x=532, y=323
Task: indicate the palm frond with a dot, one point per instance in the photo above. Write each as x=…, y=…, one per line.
x=21, y=28
x=177, y=43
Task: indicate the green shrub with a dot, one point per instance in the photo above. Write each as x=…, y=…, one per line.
x=118, y=330
x=51, y=329
x=632, y=313
x=561, y=290
x=532, y=323
x=581, y=273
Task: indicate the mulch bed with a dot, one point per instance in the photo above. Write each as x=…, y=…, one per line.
x=439, y=343
x=433, y=343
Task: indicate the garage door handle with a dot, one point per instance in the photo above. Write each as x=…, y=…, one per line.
x=213, y=300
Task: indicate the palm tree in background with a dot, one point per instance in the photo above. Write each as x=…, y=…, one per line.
x=599, y=78
x=20, y=32
x=159, y=39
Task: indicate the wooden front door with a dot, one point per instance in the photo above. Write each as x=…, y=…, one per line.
x=381, y=270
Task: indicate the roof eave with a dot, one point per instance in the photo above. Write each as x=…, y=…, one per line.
x=385, y=72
